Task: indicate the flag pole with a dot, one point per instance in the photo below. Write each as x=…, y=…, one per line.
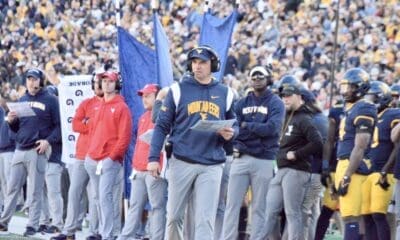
x=118, y=13
x=206, y=6
x=118, y=23
x=237, y=3
x=333, y=65
x=154, y=5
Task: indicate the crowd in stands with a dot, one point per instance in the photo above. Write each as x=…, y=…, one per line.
x=297, y=37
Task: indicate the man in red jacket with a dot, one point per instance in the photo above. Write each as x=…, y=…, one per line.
x=110, y=137
x=144, y=186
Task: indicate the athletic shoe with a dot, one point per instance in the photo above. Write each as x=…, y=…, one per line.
x=29, y=231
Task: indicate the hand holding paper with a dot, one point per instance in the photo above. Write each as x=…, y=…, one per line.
x=226, y=133
x=213, y=125
x=22, y=109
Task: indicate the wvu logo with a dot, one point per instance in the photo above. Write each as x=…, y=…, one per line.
x=204, y=108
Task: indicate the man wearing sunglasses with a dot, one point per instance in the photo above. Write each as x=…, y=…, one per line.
x=260, y=115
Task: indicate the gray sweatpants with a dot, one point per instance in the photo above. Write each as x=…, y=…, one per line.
x=103, y=184
x=203, y=182
x=247, y=171
x=53, y=203
x=311, y=206
x=219, y=220
x=287, y=188
x=145, y=187
x=189, y=227
x=24, y=163
x=79, y=180
x=5, y=164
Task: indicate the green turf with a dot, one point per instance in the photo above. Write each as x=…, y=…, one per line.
x=12, y=236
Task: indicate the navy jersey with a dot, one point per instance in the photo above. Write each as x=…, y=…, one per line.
x=359, y=117
x=381, y=145
x=336, y=113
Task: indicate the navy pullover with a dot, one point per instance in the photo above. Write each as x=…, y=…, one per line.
x=45, y=125
x=197, y=101
x=263, y=117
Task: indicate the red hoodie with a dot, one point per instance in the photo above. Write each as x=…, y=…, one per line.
x=82, y=123
x=112, y=129
x=141, y=154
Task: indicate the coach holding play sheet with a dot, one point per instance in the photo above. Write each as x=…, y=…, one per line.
x=198, y=156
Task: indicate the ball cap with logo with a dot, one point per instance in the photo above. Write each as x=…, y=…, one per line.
x=201, y=54
x=35, y=73
x=148, y=88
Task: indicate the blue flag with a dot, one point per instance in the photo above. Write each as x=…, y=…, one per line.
x=217, y=33
x=137, y=63
x=163, y=63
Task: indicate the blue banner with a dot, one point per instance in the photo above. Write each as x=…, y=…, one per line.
x=217, y=33
x=137, y=63
x=164, y=64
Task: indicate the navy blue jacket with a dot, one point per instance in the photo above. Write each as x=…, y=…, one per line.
x=320, y=121
x=197, y=101
x=263, y=117
x=45, y=125
x=7, y=137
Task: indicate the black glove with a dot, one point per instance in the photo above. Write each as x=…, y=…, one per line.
x=344, y=186
x=383, y=182
x=326, y=179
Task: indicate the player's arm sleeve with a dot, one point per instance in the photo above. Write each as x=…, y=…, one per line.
x=79, y=120
x=314, y=139
x=124, y=135
x=364, y=124
x=55, y=134
x=365, y=120
x=273, y=126
x=162, y=128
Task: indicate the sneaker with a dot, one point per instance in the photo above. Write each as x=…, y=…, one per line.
x=42, y=228
x=52, y=229
x=94, y=237
x=3, y=228
x=59, y=237
x=29, y=231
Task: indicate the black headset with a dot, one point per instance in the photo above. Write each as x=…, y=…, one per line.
x=93, y=78
x=215, y=62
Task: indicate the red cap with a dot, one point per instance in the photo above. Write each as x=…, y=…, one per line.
x=149, y=88
x=113, y=76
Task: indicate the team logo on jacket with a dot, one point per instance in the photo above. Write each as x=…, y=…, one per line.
x=38, y=105
x=255, y=109
x=204, y=108
x=289, y=130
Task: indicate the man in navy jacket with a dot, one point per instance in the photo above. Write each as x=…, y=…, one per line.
x=34, y=136
x=197, y=156
x=260, y=115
